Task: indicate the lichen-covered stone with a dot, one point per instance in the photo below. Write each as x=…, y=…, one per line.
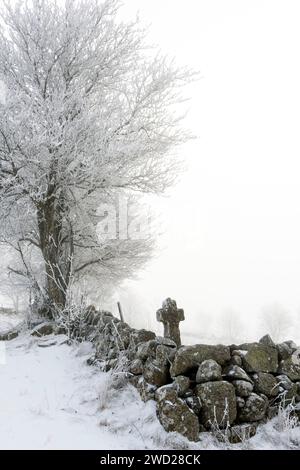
x=267, y=341
x=209, y=371
x=136, y=367
x=166, y=342
x=181, y=384
x=164, y=354
x=240, y=402
x=243, y=388
x=190, y=357
x=175, y=415
x=272, y=412
x=284, y=351
x=265, y=383
x=141, y=336
x=147, y=391
x=238, y=352
x=260, y=358
x=146, y=349
x=218, y=401
x=289, y=396
x=155, y=373
x=254, y=410
x=292, y=345
x=236, y=360
x=194, y=403
x=290, y=367
x=233, y=372
x=124, y=335
x=288, y=390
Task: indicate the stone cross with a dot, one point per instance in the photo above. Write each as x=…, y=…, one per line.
x=170, y=316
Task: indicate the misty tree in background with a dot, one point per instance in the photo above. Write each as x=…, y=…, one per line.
x=231, y=327
x=276, y=320
x=89, y=113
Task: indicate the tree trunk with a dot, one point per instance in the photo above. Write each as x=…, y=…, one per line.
x=50, y=219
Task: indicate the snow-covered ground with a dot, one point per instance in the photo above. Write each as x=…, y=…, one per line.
x=8, y=322
x=51, y=399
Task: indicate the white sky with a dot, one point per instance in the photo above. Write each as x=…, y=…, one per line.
x=233, y=238
x=233, y=223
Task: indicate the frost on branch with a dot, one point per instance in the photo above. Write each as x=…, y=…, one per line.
x=89, y=113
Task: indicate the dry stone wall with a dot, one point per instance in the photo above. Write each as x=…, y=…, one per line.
x=196, y=388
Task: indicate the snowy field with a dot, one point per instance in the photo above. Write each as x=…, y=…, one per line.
x=50, y=399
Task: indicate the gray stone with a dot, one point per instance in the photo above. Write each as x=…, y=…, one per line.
x=175, y=415
x=236, y=373
x=155, y=374
x=60, y=330
x=166, y=342
x=289, y=396
x=194, y=403
x=284, y=382
x=106, y=318
x=236, y=361
x=284, y=351
x=209, y=371
x=240, y=402
x=181, y=384
x=288, y=390
x=136, y=367
x=146, y=349
x=296, y=411
x=290, y=367
x=218, y=401
x=238, y=352
x=47, y=344
x=292, y=345
x=147, y=391
x=243, y=388
x=162, y=392
x=265, y=383
x=141, y=336
x=164, y=354
x=8, y=336
x=46, y=328
x=260, y=358
x=267, y=341
x=254, y=410
x=190, y=357
x=124, y=335
x=272, y=412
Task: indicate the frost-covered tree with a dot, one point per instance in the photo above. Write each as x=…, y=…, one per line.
x=277, y=321
x=89, y=112
x=231, y=327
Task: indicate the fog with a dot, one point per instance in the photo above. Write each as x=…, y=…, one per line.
x=232, y=234
x=230, y=251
